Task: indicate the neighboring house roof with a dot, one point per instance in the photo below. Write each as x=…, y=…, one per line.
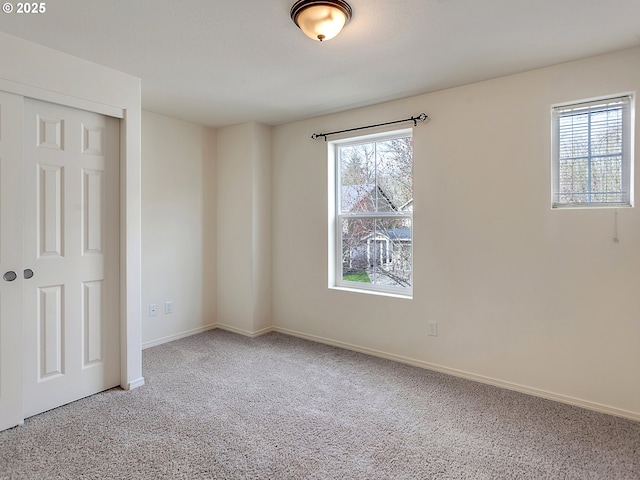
x=399, y=233
x=353, y=195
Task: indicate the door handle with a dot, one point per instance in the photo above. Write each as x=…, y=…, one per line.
x=28, y=273
x=10, y=276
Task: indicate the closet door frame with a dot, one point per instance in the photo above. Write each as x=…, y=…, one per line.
x=130, y=202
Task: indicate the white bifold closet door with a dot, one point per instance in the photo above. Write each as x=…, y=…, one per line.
x=11, y=205
x=67, y=261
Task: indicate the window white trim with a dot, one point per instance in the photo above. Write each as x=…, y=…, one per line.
x=335, y=218
x=625, y=104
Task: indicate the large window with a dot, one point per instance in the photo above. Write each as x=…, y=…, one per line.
x=374, y=213
x=592, y=153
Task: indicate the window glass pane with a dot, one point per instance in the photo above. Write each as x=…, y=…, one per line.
x=390, y=263
x=394, y=168
x=377, y=251
x=606, y=179
x=573, y=180
x=357, y=178
x=574, y=136
x=606, y=132
x=377, y=177
x=355, y=240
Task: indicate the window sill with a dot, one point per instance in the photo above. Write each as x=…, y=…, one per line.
x=407, y=296
x=588, y=206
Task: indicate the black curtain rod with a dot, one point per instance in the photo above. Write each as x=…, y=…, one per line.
x=420, y=118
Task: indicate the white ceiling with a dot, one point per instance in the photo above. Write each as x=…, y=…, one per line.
x=219, y=62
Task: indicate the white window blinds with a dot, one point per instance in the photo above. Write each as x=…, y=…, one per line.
x=592, y=154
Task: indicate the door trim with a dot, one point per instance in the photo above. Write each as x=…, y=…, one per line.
x=130, y=220
x=60, y=99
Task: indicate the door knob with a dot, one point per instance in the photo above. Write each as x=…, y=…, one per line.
x=28, y=273
x=10, y=276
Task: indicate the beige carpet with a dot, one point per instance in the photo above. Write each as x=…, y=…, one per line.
x=221, y=406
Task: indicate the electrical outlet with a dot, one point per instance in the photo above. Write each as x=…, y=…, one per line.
x=168, y=307
x=432, y=329
x=153, y=310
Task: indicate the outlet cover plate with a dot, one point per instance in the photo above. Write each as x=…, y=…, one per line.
x=432, y=329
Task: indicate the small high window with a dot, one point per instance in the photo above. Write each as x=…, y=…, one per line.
x=373, y=213
x=592, y=154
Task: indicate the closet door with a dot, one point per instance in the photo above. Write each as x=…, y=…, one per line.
x=71, y=243
x=11, y=315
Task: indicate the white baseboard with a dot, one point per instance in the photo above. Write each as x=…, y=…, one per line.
x=178, y=336
x=212, y=326
x=135, y=384
x=618, y=412
x=241, y=331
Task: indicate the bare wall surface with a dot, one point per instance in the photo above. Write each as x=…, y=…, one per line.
x=178, y=229
x=244, y=227
x=235, y=227
x=524, y=295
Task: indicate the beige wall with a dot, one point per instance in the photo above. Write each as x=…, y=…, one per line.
x=244, y=228
x=526, y=297
x=178, y=227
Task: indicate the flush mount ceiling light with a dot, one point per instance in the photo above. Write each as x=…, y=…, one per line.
x=321, y=19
